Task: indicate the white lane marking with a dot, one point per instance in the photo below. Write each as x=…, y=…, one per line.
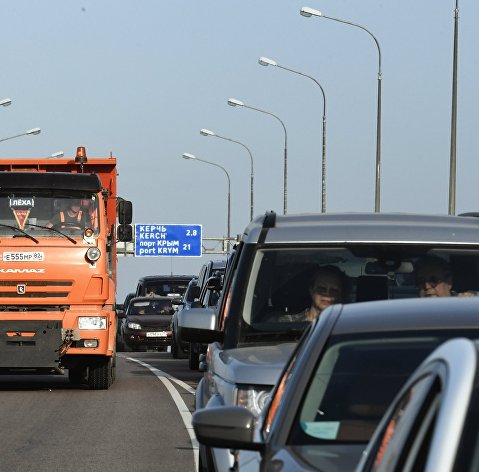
x=180, y=404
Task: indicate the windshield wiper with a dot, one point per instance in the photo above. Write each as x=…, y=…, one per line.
x=54, y=230
x=24, y=233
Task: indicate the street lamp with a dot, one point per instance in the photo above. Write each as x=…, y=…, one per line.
x=5, y=102
x=452, y=165
x=186, y=155
x=237, y=103
x=308, y=12
x=207, y=132
x=264, y=61
x=30, y=131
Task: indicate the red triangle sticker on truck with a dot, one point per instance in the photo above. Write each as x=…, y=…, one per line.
x=21, y=216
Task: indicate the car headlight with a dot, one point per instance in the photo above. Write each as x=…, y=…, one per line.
x=92, y=322
x=134, y=325
x=254, y=398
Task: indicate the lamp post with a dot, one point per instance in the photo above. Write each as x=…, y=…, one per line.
x=452, y=164
x=264, y=61
x=308, y=12
x=234, y=103
x=30, y=131
x=5, y=102
x=192, y=157
x=207, y=132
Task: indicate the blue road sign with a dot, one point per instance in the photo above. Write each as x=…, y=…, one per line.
x=167, y=240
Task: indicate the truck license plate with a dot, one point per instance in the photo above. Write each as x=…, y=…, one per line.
x=23, y=256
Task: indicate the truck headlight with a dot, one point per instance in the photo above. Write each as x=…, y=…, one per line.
x=92, y=322
x=252, y=397
x=93, y=254
x=134, y=325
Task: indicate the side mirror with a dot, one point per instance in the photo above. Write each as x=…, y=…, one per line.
x=125, y=212
x=125, y=233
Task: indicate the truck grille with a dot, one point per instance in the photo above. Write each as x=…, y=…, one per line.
x=34, y=289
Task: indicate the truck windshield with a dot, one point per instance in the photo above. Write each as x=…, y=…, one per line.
x=283, y=282
x=41, y=215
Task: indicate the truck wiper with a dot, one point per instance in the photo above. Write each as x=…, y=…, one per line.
x=24, y=233
x=54, y=230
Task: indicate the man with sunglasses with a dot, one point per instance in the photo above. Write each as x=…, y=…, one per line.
x=434, y=278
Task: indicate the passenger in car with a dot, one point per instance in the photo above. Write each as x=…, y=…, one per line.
x=434, y=278
x=327, y=286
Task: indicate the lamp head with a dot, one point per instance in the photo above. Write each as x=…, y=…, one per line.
x=34, y=131
x=57, y=154
x=5, y=102
x=206, y=132
x=233, y=102
x=308, y=12
x=187, y=155
x=264, y=61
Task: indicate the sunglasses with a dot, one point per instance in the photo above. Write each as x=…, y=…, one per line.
x=431, y=280
x=327, y=291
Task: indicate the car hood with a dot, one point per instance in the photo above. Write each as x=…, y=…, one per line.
x=159, y=321
x=257, y=364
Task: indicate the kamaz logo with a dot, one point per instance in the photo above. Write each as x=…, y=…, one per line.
x=22, y=271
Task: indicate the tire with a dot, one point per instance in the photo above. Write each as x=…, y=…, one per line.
x=194, y=361
x=101, y=374
x=174, y=348
x=182, y=354
x=77, y=375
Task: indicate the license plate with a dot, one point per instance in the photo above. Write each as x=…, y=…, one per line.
x=23, y=256
x=157, y=334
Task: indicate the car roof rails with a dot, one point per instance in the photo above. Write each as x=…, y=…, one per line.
x=470, y=213
x=268, y=222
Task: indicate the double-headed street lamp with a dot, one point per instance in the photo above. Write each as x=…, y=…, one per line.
x=308, y=12
x=192, y=157
x=207, y=132
x=264, y=61
x=30, y=131
x=237, y=103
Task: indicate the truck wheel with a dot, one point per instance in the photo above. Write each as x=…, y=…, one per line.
x=100, y=374
x=77, y=375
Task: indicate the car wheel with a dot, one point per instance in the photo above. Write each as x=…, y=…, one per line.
x=194, y=361
x=174, y=348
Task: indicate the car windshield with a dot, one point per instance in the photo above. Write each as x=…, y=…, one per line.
x=44, y=215
x=355, y=380
x=151, y=307
x=282, y=281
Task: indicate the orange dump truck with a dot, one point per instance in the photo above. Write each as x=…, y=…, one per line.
x=58, y=267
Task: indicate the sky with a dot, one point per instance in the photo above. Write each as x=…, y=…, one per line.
x=139, y=79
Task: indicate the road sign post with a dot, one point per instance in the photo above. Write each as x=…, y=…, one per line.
x=153, y=240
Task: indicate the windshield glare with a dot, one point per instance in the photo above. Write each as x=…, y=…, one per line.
x=35, y=214
x=283, y=282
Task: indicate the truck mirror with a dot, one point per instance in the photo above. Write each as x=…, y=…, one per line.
x=125, y=212
x=125, y=233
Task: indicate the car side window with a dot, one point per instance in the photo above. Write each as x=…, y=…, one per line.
x=405, y=440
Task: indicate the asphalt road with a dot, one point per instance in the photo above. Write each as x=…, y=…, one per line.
x=139, y=424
